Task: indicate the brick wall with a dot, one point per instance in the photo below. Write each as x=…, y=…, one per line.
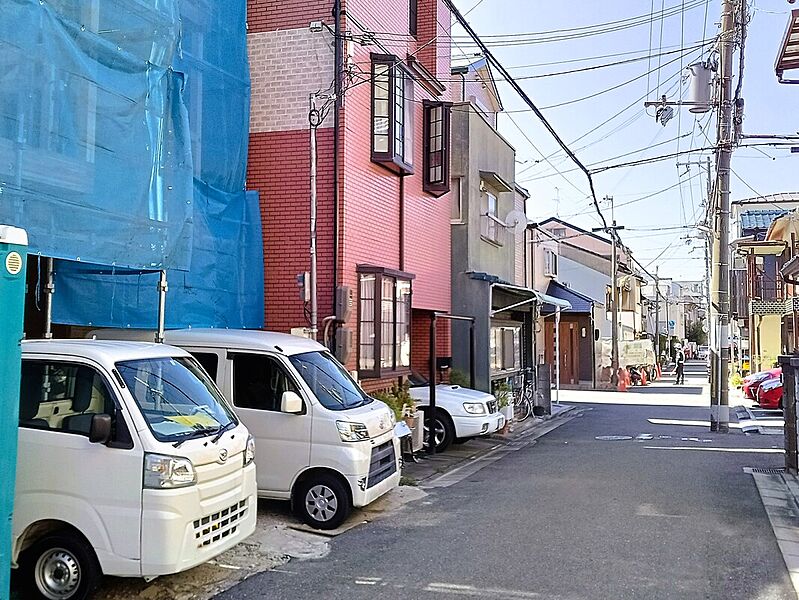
x=420, y=340
x=285, y=67
x=279, y=168
x=271, y=15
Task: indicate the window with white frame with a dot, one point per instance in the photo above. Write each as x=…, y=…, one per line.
x=490, y=224
x=505, y=348
x=550, y=263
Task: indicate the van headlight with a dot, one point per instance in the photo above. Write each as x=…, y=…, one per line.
x=474, y=408
x=392, y=417
x=168, y=472
x=352, y=432
x=249, y=451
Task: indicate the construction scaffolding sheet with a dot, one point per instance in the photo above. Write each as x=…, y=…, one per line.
x=123, y=149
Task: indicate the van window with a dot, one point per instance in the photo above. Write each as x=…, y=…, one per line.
x=209, y=361
x=259, y=382
x=62, y=396
x=176, y=397
x=329, y=381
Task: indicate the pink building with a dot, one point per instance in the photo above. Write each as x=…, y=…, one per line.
x=383, y=168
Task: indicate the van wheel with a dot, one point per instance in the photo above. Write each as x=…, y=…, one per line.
x=60, y=567
x=323, y=502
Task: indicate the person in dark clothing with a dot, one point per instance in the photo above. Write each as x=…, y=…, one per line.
x=679, y=359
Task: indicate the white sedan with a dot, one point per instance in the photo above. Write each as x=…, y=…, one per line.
x=461, y=413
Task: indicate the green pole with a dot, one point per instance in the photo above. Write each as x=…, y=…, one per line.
x=13, y=255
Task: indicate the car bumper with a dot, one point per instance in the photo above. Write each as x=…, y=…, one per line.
x=473, y=426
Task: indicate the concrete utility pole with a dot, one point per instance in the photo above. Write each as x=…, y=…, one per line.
x=614, y=267
x=720, y=293
x=657, y=315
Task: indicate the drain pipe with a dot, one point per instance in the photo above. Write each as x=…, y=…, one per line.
x=162, y=290
x=49, y=290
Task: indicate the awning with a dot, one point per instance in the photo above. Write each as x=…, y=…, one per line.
x=524, y=296
x=788, y=56
x=579, y=303
x=766, y=248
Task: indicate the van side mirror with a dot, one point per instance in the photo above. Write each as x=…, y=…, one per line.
x=291, y=403
x=100, y=429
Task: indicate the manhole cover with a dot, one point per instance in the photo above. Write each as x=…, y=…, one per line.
x=613, y=438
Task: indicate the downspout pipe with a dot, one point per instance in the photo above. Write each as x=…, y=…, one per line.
x=338, y=67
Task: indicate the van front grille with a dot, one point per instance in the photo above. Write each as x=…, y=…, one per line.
x=382, y=465
x=219, y=525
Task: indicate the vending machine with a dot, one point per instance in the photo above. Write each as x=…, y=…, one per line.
x=13, y=255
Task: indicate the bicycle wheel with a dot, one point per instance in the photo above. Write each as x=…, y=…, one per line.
x=521, y=409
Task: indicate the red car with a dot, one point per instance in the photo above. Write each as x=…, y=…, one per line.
x=769, y=393
x=753, y=381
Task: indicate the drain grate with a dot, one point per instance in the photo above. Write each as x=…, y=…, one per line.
x=765, y=471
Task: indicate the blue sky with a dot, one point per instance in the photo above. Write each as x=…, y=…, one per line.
x=770, y=108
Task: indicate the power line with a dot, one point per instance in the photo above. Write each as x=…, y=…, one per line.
x=489, y=56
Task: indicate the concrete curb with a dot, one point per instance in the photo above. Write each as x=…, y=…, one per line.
x=780, y=496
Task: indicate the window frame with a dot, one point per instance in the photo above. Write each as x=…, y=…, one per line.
x=399, y=162
x=378, y=371
x=413, y=17
x=550, y=263
x=121, y=438
x=280, y=365
x=442, y=185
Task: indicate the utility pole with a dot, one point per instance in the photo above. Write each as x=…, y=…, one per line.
x=720, y=293
x=657, y=315
x=614, y=267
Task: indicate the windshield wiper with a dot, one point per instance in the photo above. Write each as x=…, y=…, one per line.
x=196, y=433
x=222, y=430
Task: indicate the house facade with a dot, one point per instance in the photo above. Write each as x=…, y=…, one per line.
x=383, y=152
x=488, y=225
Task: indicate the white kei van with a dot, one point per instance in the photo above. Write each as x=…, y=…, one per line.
x=320, y=440
x=130, y=463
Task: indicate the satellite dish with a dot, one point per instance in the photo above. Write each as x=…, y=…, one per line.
x=517, y=220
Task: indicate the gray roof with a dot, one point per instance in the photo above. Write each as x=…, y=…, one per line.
x=759, y=219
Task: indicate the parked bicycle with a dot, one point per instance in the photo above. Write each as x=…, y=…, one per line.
x=523, y=394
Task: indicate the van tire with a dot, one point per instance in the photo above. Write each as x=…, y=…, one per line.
x=322, y=501
x=63, y=560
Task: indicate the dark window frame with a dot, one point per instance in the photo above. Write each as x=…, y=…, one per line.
x=378, y=371
x=390, y=158
x=413, y=17
x=277, y=364
x=440, y=186
x=121, y=438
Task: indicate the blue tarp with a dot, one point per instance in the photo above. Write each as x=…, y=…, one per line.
x=123, y=149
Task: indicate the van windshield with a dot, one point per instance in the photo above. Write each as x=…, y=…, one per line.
x=328, y=380
x=176, y=398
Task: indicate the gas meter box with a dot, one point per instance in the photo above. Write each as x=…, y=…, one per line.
x=13, y=255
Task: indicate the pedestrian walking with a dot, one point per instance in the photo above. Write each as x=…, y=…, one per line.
x=679, y=359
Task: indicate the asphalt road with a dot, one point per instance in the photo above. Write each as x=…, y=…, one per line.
x=571, y=517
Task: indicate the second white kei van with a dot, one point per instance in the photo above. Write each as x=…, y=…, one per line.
x=320, y=440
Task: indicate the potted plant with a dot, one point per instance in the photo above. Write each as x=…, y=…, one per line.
x=504, y=396
x=399, y=400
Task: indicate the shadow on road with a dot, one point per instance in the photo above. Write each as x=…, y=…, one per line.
x=666, y=390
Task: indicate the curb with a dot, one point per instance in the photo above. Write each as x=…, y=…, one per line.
x=780, y=496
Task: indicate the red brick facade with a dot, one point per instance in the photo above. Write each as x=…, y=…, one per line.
x=369, y=203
